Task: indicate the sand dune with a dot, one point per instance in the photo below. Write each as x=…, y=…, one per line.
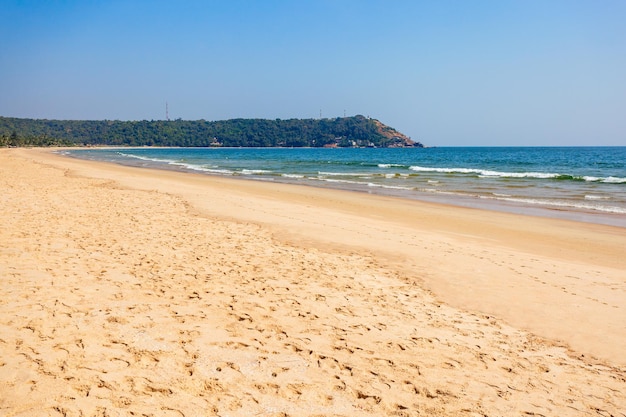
x=134, y=292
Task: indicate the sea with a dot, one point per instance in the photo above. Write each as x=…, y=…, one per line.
x=577, y=183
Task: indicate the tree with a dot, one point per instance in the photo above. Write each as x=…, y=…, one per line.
x=14, y=140
x=341, y=131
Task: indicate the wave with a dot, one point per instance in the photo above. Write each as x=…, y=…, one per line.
x=144, y=158
x=361, y=183
x=484, y=173
x=212, y=170
x=554, y=203
x=345, y=174
x=255, y=171
x=390, y=187
x=580, y=205
x=337, y=181
x=191, y=167
x=614, y=180
x=390, y=165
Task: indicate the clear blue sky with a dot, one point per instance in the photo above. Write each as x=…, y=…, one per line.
x=447, y=73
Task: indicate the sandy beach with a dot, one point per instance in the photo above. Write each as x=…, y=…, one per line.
x=129, y=291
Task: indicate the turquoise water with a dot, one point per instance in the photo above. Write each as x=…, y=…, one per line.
x=584, y=183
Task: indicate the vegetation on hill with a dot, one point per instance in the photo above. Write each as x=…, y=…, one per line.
x=356, y=131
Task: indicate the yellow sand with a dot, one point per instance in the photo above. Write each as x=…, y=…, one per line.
x=135, y=292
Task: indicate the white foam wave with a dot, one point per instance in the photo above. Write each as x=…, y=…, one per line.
x=344, y=174
x=485, y=172
x=143, y=158
x=254, y=171
x=220, y=171
x=202, y=168
x=580, y=205
x=556, y=203
x=192, y=167
x=390, y=187
x=614, y=180
x=338, y=181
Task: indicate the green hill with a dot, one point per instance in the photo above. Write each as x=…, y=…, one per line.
x=356, y=131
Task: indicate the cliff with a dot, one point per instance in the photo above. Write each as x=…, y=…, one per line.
x=395, y=139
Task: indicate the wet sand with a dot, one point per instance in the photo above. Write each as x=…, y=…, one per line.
x=129, y=291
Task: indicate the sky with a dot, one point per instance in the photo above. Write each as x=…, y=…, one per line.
x=445, y=73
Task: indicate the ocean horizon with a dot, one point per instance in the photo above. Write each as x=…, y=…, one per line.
x=577, y=183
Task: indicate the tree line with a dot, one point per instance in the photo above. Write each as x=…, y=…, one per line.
x=355, y=131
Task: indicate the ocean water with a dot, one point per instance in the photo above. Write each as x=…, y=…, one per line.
x=580, y=183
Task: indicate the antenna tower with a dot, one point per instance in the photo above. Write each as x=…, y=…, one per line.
x=167, y=112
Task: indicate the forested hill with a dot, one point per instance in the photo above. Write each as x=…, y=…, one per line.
x=356, y=131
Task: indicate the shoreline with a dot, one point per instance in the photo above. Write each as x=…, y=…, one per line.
x=481, y=202
x=422, y=307
x=532, y=236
